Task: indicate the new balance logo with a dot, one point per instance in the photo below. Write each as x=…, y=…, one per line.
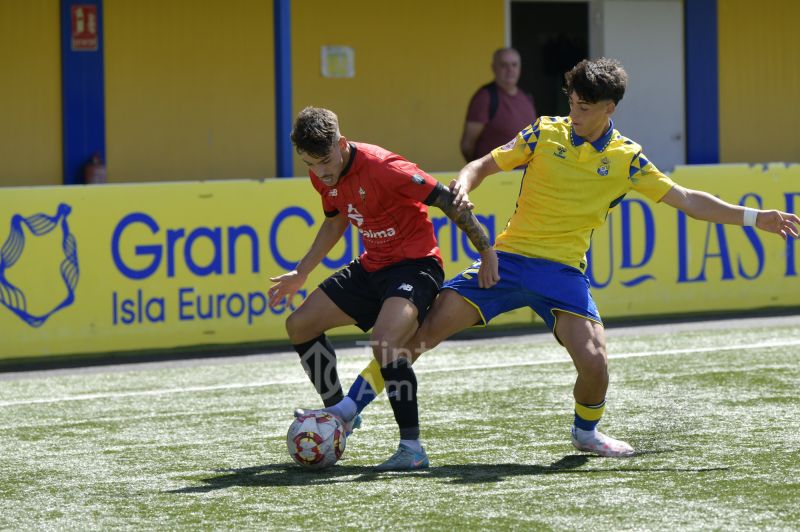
x=406, y=287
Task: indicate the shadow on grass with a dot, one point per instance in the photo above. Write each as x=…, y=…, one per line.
x=289, y=474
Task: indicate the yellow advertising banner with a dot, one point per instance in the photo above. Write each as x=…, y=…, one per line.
x=650, y=259
x=90, y=269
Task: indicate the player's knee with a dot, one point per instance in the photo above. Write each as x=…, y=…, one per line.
x=387, y=348
x=297, y=326
x=594, y=364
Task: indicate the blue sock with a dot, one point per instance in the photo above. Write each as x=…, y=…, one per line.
x=361, y=393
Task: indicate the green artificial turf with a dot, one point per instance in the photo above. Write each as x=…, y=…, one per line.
x=712, y=413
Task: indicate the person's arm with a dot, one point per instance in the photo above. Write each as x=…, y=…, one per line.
x=469, y=138
x=469, y=178
x=703, y=206
x=488, y=273
x=288, y=284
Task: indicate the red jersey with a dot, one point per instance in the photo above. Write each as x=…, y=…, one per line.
x=383, y=195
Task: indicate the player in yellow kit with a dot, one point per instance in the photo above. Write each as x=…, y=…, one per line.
x=577, y=169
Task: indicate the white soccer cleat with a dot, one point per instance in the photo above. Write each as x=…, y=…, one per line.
x=594, y=441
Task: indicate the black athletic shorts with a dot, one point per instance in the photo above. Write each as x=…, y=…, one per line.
x=360, y=294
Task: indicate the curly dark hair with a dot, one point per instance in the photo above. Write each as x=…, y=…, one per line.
x=315, y=131
x=601, y=79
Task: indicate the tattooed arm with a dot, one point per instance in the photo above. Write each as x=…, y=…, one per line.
x=488, y=274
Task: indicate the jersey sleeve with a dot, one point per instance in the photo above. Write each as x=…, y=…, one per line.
x=328, y=208
x=647, y=179
x=519, y=150
x=406, y=179
x=478, y=110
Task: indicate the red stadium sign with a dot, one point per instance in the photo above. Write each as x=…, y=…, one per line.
x=84, y=28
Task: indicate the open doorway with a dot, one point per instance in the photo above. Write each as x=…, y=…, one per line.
x=551, y=38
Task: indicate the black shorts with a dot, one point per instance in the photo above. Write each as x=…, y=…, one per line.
x=360, y=294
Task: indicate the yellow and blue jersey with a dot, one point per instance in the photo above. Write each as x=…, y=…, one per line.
x=569, y=186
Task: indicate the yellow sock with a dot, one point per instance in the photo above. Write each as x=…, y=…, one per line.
x=367, y=386
x=588, y=416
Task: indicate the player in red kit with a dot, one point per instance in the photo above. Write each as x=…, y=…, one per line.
x=391, y=286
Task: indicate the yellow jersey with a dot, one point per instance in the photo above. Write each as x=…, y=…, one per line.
x=569, y=186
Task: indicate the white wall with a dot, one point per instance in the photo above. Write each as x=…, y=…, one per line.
x=647, y=37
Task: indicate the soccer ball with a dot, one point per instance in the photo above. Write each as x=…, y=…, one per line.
x=316, y=440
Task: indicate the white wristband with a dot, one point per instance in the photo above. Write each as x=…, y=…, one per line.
x=750, y=216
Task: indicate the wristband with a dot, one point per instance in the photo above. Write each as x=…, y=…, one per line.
x=750, y=216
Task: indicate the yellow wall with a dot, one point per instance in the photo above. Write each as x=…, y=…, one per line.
x=759, y=81
x=189, y=89
x=417, y=63
x=189, y=84
x=30, y=93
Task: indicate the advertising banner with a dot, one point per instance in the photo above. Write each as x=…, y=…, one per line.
x=650, y=259
x=88, y=269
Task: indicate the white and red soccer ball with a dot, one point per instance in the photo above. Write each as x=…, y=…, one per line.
x=316, y=440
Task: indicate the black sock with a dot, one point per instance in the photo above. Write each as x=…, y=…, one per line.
x=319, y=362
x=401, y=389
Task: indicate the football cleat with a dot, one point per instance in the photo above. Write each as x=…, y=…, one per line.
x=594, y=441
x=353, y=424
x=405, y=459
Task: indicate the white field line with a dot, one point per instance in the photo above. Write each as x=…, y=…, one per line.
x=192, y=389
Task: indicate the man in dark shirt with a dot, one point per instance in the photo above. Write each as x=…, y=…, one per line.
x=498, y=110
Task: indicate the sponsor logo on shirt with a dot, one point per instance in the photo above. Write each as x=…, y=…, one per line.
x=418, y=179
x=358, y=218
x=508, y=146
x=333, y=192
x=354, y=215
x=382, y=233
x=406, y=287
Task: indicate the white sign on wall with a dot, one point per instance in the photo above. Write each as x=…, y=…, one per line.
x=338, y=62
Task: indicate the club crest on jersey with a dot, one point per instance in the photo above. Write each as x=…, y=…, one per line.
x=363, y=194
x=561, y=152
x=603, y=168
x=333, y=192
x=418, y=179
